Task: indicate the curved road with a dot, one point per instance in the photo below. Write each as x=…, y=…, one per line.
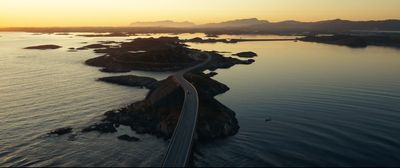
x=181, y=142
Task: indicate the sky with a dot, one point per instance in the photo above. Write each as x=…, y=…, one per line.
x=42, y=13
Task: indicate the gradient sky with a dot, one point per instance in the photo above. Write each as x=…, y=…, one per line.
x=37, y=13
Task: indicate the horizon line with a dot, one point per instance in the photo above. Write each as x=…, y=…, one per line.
x=197, y=24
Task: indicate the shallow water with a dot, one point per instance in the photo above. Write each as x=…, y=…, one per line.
x=328, y=105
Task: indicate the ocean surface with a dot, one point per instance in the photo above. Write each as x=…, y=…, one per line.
x=299, y=104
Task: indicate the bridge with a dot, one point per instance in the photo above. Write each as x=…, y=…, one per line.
x=180, y=146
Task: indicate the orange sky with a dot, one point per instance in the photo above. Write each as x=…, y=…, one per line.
x=38, y=13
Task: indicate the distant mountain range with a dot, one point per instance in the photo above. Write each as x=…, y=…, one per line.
x=240, y=26
x=262, y=26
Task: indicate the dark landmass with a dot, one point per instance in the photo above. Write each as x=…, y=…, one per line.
x=44, y=47
x=131, y=80
x=93, y=46
x=220, y=62
x=158, y=114
x=128, y=138
x=105, y=127
x=213, y=40
x=61, y=131
x=241, y=26
x=211, y=74
x=108, y=42
x=356, y=41
x=155, y=54
x=247, y=54
x=140, y=55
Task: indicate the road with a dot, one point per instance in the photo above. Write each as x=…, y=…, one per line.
x=179, y=149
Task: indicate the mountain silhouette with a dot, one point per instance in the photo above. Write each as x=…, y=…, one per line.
x=264, y=26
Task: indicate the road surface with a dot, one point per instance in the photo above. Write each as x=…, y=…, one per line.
x=179, y=149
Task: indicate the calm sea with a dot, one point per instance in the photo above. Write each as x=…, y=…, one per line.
x=326, y=105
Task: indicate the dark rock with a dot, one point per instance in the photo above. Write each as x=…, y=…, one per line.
x=128, y=138
x=115, y=69
x=108, y=42
x=219, y=61
x=105, y=127
x=93, y=46
x=161, y=54
x=158, y=114
x=247, y=54
x=44, y=47
x=211, y=74
x=131, y=80
x=61, y=131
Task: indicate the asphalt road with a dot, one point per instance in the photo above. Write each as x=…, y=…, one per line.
x=179, y=149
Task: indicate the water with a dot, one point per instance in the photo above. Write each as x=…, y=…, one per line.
x=44, y=90
x=328, y=105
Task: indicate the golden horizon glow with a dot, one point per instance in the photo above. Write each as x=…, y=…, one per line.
x=42, y=13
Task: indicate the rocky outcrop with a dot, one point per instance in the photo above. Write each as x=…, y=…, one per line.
x=93, y=46
x=161, y=54
x=44, y=47
x=219, y=61
x=104, y=127
x=128, y=138
x=158, y=114
x=131, y=80
x=61, y=131
x=247, y=54
x=215, y=120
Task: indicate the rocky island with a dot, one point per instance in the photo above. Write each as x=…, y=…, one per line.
x=155, y=54
x=159, y=112
x=44, y=47
x=247, y=54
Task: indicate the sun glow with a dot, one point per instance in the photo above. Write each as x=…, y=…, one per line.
x=37, y=13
